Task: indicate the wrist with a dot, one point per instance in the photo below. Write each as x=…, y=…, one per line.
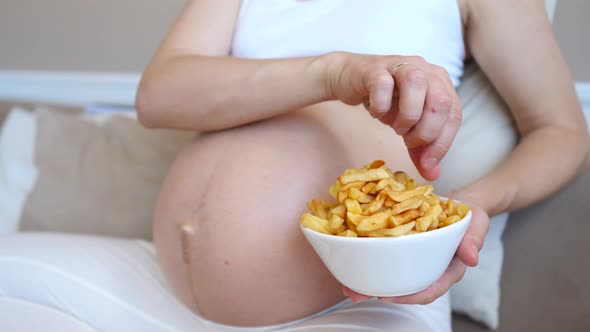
x=327, y=67
x=493, y=196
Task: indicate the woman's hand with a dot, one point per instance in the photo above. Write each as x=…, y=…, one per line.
x=467, y=255
x=415, y=98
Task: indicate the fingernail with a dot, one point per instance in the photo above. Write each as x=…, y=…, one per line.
x=474, y=250
x=402, y=131
x=429, y=163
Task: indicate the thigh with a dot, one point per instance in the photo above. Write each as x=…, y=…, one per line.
x=374, y=315
x=240, y=194
x=103, y=283
x=14, y=317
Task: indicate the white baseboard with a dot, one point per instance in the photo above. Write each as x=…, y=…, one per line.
x=69, y=88
x=80, y=88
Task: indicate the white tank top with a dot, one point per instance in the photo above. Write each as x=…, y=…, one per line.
x=291, y=28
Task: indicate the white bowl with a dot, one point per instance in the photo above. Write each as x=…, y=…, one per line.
x=389, y=266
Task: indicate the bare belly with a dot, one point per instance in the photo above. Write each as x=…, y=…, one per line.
x=242, y=192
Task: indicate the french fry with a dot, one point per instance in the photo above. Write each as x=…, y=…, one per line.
x=450, y=207
x=359, y=196
x=348, y=186
x=350, y=225
x=451, y=220
x=366, y=176
x=333, y=191
x=317, y=208
x=343, y=192
x=462, y=210
x=374, y=222
x=406, y=205
x=383, y=232
x=375, y=204
x=423, y=208
x=433, y=200
x=348, y=233
x=340, y=211
x=376, y=164
x=341, y=196
x=328, y=205
x=352, y=206
x=434, y=224
x=317, y=224
x=405, y=195
x=396, y=186
x=354, y=218
x=423, y=223
x=403, y=218
x=387, y=232
x=353, y=171
x=373, y=201
x=401, y=177
x=336, y=221
x=380, y=185
x=402, y=229
x=367, y=188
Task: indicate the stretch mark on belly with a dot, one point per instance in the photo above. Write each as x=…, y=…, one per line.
x=186, y=232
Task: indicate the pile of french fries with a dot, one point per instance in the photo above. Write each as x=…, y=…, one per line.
x=373, y=201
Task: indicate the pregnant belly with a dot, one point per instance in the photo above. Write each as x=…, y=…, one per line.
x=242, y=259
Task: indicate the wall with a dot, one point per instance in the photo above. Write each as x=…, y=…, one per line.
x=120, y=36
x=82, y=35
x=110, y=35
x=572, y=28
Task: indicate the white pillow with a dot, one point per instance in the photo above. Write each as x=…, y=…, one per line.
x=18, y=173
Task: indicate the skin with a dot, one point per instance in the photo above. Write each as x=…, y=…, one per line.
x=226, y=227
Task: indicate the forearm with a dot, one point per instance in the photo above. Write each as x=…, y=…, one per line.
x=212, y=93
x=543, y=162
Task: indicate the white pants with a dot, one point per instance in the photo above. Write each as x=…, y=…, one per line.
x=52, y=282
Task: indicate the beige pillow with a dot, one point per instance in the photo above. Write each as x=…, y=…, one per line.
x=98, y=178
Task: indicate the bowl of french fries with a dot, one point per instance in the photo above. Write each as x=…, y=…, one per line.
x=384, y=234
